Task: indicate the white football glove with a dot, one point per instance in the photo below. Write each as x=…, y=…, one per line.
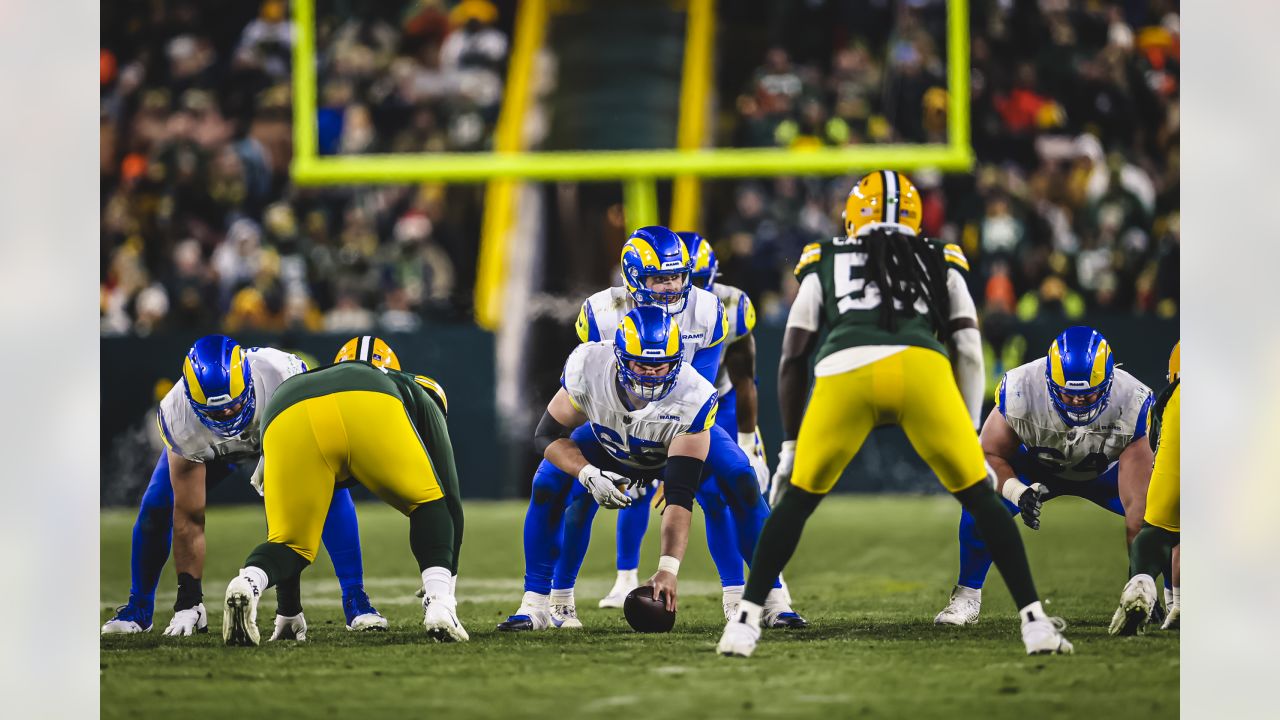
x=782, y=476
x=749, y=445
x=290, y=628
x=604, y=486
x=188, y=622
x=256, y=478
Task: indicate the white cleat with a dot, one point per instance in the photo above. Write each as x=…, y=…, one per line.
x=565, y=617
x=963, y=609
x=240, y=613
x=627, y=581
x=440, y=618
x=739, y=639
x=730, y=597
x=534, y=614
x=1136, y=603
x=1044, y=637
x=778, y=612
x=128, y=620
x=368, y=621
x=290, y=627
x=1173, y=617
x=185, y=623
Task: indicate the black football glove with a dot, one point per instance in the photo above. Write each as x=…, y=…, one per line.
x=1029, y=505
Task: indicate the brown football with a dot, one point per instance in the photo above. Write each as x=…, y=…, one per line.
x=646, y=614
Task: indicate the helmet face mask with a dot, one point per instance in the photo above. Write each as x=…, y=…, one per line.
x=219, y=386
x=649, y=352
x=656, y=252
x=1079, y=374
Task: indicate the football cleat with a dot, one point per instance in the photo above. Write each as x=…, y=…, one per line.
x=1136, y=601
x=240, y=613
x=1173, y=618
x=778, y=612
x=360, y=613
x=1044, y=637
x=290, y=627
x=188, y=622
x=963, y=608
x=440, y=618
x=534, y=614
x=129, y=618
x=627, y=581
x=739, y=638
x=565, y=617
x=729, y=598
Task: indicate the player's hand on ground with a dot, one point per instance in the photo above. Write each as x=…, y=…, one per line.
x=605, y=487
x=782, y=475
x=290, y=628
x=188, y=622
x=664, y=586
x=1029, y=504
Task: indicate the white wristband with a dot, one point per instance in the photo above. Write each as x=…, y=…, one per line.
x=666, y=563
x=1012, y=490
x=788, y=446
x=747, y=439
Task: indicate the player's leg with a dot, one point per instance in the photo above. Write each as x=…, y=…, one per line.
x=935, y=420
x=578, y=518
x=341, y=538
x=835, y=424
x=633, y=521
x=543, y=526
x=149, y=551
x=722, y=543
x=965, y=604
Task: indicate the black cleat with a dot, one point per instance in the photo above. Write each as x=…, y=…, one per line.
x=516, y=623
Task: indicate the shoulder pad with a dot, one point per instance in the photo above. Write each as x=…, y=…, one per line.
x=954, y=256
x=436, y=392
x=588, y=330
x=809, y=258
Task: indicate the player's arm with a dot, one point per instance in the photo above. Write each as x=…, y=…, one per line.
x=552, y=439
x=685, y=459
x=188, y=480
x=707, y=360
x=798, y=343
x=964, y=340
x=999, y=444
x=1134, y=475
x=740, y=363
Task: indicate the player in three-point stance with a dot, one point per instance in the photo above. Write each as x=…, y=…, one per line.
x=209, y=422
x=360, y=419
x=1157, y=542
x=1069, y=423
x=891, y=303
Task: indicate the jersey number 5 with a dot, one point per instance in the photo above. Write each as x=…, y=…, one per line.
x=853, y=290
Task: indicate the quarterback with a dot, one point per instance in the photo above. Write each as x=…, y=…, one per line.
x=362, y=419
x=1069, y=423
x=209, y=423
x=892, y=303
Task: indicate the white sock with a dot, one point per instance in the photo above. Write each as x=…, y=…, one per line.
x=749, y=613
x=562, y=597
x=975, y=593
x=1034, y=611
x=1171, y=596
x=437, y=582
x=257, y=575
x=777, y=598
x=535, y=601
x=630, y=577
x=732, y=592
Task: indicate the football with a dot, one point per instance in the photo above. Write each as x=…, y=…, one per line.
x=645, y=614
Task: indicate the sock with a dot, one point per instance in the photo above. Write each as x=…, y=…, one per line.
x=1171, y=596
x=1030, y=612
x=152, y=537
x=633, y=521
x=629, y=577
x=562, y=597
x=1151, y=550
x=276, y=561
x=435, y=581
x=535, y=601
x=722, y=538
x=992, y=519
x=431, y=535
x=777, y=599
x=732, y=592
x=341, y=537
x=289, y=596
x=778, y=542
x=962, y=591
x=749, y=612
x=190, y=594
x=543, y=522
x=575, y=540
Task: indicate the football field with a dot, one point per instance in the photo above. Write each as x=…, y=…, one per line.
x=869, y=575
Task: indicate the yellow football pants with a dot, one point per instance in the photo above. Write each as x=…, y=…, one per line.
x=321, y=441
x=1164, y=494
x=914, y=389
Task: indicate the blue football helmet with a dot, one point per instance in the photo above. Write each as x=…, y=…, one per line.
x=1079, y=373
x=219, y=385
x=655, y=251
x=649, y=336
x=705, y=267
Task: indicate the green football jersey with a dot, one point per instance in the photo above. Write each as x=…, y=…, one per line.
x=851, y=301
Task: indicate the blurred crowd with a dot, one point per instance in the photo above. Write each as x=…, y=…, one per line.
x=1073, y=207
x=201, y=228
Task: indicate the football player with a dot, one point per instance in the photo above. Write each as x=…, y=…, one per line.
x=891, y=303
x=1070, y=423
x=628, y=412
x=362, y=419
x=209, y=423
x=1158, y=540
x=735, y=383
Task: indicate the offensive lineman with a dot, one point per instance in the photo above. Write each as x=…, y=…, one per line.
x=209, y=423
x=1070, y=423
x=891, y=302
x=361, y=418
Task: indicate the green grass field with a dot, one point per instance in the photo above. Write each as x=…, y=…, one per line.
x=870, y=573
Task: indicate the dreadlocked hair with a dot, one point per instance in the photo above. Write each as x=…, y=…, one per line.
x=907, y=268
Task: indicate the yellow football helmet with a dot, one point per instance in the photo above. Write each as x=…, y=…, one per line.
x=370, y=349
x=882, y=198
x=1175, y=361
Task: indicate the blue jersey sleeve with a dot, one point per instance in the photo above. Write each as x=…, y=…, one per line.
x=707, y=362
x=1141, y=431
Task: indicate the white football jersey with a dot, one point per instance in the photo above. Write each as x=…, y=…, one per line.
x=702, y=323
x=740, y=316
x=637, y=438
x=1065, y=452
x=183, y=432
